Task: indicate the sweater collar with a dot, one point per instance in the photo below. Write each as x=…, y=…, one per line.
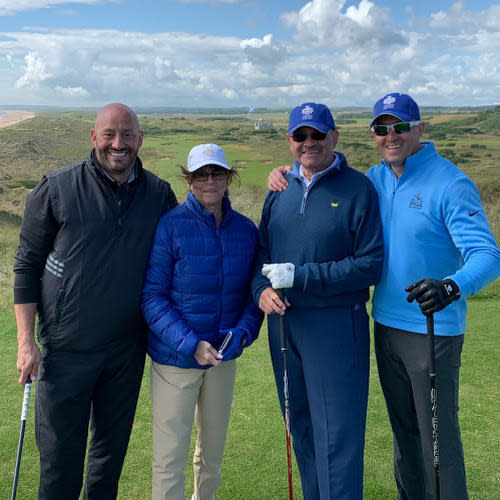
x=416, y=160
x=94, y=162
x=338, y=164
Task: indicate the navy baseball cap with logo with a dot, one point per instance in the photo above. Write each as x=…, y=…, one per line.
x=311, y=114
x=401, y=106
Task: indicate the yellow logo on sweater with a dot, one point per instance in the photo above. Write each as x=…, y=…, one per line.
x=334, y=204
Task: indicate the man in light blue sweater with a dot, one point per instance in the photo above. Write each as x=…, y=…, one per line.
x=438, y=250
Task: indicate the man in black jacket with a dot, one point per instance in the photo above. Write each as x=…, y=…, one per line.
x=84, y=244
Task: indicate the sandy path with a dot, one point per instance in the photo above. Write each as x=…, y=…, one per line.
x=9, y=117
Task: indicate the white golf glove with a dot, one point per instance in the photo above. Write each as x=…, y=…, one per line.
x=280, y=275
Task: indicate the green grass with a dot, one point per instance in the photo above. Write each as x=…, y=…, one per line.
x=255, y=459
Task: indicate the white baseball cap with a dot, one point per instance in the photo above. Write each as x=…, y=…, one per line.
x=206, y=154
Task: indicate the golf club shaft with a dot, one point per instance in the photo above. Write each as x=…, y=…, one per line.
x=435, y=427
x=286, y=397
x=24, y=416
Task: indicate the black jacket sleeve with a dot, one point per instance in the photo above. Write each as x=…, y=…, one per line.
x=38, y=230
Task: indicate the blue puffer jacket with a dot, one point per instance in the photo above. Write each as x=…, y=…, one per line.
x=197, y=282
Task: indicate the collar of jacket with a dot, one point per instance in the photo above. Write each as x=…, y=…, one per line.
x=417, y=160
x=338, y=165
x=96, y=167
x=208, y=217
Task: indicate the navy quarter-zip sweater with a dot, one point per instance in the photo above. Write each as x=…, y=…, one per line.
x=330, y=230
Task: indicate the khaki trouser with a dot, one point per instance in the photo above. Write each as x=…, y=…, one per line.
x=179, y=395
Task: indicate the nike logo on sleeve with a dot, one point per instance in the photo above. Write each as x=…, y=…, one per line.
x=473, y=213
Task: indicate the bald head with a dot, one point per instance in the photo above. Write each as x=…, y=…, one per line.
x=116, y=109
x=116, y=137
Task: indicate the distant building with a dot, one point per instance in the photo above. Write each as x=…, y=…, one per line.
x=260, y=125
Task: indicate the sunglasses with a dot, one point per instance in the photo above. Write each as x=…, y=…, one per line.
x=218, y=174
x=315, y=135
x=398, y=128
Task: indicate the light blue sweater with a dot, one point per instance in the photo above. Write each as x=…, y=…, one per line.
x=434, y=227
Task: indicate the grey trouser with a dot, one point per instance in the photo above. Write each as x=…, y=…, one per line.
x=403, y=360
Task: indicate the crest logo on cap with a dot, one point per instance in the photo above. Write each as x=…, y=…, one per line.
x=208, y=152
x=307, y=113
x=389, y=102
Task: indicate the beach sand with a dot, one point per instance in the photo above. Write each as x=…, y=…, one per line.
x=10, y=116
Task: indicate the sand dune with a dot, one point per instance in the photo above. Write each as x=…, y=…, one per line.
x=11, y=116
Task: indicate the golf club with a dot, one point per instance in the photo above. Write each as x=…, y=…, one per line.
x=286, y=397
x=24, y=416
x=435, y=435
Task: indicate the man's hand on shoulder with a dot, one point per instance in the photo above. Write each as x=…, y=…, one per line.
x=276, y=180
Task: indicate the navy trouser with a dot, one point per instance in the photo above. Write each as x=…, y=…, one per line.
x=72, y=388
x=403, y=360
x=328, y=370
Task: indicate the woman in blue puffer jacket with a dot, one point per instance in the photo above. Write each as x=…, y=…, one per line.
x=195, y=291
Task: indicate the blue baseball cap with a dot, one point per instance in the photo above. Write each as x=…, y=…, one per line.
x=311, y=114
x=401, y=106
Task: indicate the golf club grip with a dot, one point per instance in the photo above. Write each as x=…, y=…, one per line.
x=281, y=295
x=26, y=399
x=24, y=417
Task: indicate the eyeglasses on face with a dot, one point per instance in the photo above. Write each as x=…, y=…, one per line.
x=217, y=173
x=398, y=128
x=301, y=136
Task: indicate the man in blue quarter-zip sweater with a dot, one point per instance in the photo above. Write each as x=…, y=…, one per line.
x=439, y=249
x=321, y=240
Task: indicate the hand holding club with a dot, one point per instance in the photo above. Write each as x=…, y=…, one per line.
x=433, y=295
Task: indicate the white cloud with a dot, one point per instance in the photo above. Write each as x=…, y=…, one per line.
x=339, y=55
x=264, y=51
x=324, y=24
x=35, y=71
x=230, y=93
x=72, y=91
x=458, y=19
x=363, y=14
x=12, y=6
x=213, y=2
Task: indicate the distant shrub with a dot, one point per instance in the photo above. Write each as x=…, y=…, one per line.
x=25, y=183
x=220, y=118
x=437, y=135
x=228, y=138
x=266, y=131
x=448, y=153
x=345, y=121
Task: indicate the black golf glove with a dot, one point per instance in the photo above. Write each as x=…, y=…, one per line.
x=433, y=295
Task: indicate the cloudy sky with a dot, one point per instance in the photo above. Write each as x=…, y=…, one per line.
x=248, y=52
